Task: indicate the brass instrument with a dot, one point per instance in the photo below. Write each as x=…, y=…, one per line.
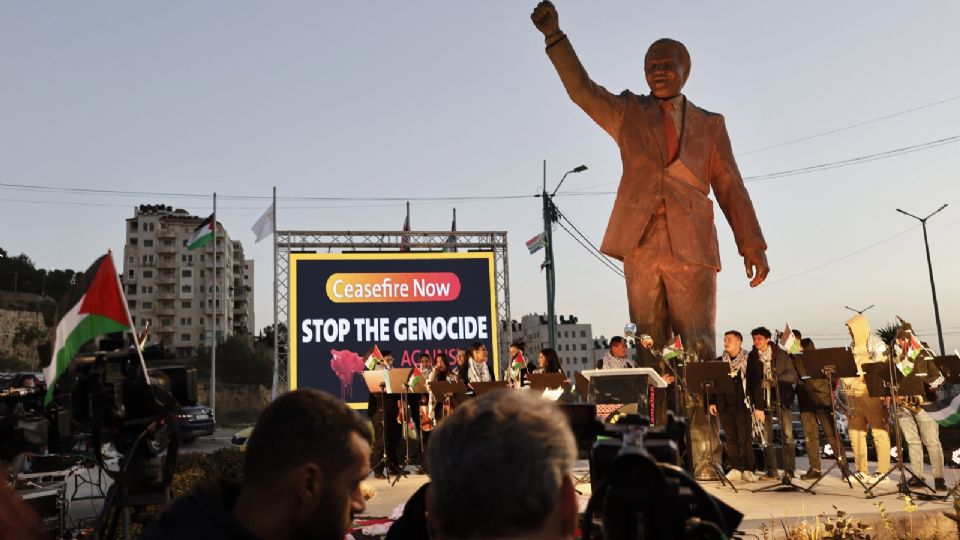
x=758, y=430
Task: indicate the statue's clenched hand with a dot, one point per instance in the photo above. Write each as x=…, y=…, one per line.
x=755, y=261
x=545, y=18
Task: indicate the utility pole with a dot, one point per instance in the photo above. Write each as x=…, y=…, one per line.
x=933, y=286
x=549, y=216
x=548, y=263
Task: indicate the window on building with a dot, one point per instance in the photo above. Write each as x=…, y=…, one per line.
x=185, y=321
x=147, y=243
x=185, y=304
x=131, y=259
x=131, y=288
x=147, y=305
x=132, y=241
x=583, y=333
x=184, y=337
x=131, y=274
x=201, y=273
x=186, y=272
x=147, y=274
x=132, y=304
x=166, y=322
x=203, y=257
x=133, y=226
x=583, y=360
x=186, y=289
x=583, y=346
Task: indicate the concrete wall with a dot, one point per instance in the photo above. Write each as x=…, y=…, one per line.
x=236, y=403
x=9, y=322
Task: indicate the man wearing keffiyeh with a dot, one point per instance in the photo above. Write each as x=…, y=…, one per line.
x=733, y=411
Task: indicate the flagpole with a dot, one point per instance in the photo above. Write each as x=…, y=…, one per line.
x=126, y=309
x=213, y=352
x=276, y=335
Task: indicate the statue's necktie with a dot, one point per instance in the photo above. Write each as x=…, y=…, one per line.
x=670, y=130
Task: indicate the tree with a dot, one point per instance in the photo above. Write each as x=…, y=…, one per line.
x=237, y=363
x=29, y=336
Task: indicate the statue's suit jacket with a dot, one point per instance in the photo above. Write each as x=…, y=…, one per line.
x=705, y=161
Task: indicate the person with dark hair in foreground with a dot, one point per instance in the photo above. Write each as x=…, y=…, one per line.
x=301, y=478
x=500, y=467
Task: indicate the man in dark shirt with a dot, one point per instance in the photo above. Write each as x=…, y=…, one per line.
x=301, y=478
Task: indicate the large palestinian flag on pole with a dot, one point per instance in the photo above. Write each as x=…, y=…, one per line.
x=202, y=235
x=94, y=306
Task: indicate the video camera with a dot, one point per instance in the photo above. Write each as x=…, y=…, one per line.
x=640, y=489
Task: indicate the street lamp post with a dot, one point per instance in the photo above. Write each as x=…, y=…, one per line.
x=549, y=216
x=933, y=286
x=859, y=311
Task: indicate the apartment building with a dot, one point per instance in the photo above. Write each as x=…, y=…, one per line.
x=173, y=288
x=575, y=343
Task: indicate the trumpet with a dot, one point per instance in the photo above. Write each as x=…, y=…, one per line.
x=758, y=431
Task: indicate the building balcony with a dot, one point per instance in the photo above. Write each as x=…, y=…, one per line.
x=172, y=248
x=169, y=311
x=166, y=233
x=167, y=263
x=166, y=279
x=166, y=295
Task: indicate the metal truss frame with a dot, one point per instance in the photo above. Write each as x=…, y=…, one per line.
x=287, y=242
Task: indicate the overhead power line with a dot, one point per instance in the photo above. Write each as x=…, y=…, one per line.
x=848, y=127
x=827, y=263
x=596, y=255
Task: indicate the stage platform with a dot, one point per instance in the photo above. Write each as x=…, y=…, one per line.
x=768, y=508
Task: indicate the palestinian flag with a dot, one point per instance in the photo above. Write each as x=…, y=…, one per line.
x=788, y=341
x=416, y=378
x=202, y=235
x=374, y=358
x=946, y=414
x=914, y=347
x=673, y=351
x=518, y=363
x=94, y=306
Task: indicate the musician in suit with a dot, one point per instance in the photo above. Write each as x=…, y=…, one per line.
x=662, y=228
x=768, y=363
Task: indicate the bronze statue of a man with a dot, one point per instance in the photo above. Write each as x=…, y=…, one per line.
x=662, y=226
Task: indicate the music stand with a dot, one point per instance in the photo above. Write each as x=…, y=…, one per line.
x=884, y=379
x=830, y=364
x=377, y=384
x=622, y=386
x=712, y=378
x=544, y=381
x=949, y=367
x=582, y=386
x=482, y=388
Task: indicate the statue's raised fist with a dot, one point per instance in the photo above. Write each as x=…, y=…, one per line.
x=545, y=18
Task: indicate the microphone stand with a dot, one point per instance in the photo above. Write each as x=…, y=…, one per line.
x=403, y=433
x=388, y=465
x=785, y=483
x=839, y=451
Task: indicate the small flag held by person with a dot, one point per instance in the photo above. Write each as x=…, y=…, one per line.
x=537, y=243
x=374, y=358
x=789, y=342
x=673, y=351
x=416, y=378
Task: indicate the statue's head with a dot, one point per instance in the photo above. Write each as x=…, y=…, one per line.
x=667, y=65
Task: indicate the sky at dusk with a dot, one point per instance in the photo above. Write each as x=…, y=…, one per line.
x=419, y=100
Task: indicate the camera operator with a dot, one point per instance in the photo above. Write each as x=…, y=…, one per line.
x=301, y=478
